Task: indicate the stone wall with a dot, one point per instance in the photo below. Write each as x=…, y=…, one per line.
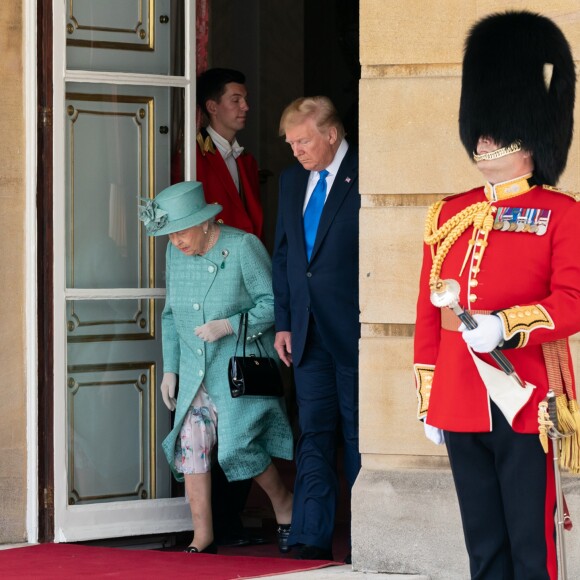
x=405, y=516
x=12, y=268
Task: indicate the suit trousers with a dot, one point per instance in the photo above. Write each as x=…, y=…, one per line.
x=327, y=395
x=505, y=486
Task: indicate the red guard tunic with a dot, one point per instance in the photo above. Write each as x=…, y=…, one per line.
x=242, y=209
x=527, y=271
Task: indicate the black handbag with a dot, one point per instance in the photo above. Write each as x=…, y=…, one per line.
x=253, y=375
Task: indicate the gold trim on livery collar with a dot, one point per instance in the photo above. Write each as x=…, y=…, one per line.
x=508, y=189
x=206, y=145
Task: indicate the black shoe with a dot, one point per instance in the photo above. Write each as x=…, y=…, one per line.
x=348, y=559
x=239, y=539
x=282, y=533
x=232, y=540
x=314, y=553
x=211, y=549
x=257, y=540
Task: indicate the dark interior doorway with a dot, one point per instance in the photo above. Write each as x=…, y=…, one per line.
x=287, y=49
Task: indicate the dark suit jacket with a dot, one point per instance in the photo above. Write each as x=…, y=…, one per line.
x=327, y=286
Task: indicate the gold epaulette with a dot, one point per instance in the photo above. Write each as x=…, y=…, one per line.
x=206, y=145
x=574, y=196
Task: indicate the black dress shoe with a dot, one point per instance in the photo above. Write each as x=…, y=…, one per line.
x=211, y=549
x=232, y=540
x=314, y=553
x=282, y=533
x=256, y=540
x=348, y=558
x=239, y=539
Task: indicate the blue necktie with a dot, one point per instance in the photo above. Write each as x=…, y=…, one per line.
x=314, y=211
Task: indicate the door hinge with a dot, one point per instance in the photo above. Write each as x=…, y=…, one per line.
x=48, y=498
x=45, y=119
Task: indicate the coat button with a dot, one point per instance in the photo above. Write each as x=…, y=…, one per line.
x=200, y=373
x=211, y=269
x=309, y=274
x=196, y=306
x=199, y=351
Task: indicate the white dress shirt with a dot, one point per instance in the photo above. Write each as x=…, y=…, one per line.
x=229, y=151
x=332, y=171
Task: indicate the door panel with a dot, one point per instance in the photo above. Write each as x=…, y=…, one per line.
x=111, y=449
x=134, y=36
x=115, y=421
x=117, y=151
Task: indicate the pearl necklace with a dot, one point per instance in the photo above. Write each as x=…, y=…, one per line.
x=211, y=239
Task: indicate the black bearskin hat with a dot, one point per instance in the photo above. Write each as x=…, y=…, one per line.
x=507, y=93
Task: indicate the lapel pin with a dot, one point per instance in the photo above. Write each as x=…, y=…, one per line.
x=347, y=179
x=225, y=254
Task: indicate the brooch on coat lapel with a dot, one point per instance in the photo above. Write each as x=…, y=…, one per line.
x=225, y=254
x=522, y=219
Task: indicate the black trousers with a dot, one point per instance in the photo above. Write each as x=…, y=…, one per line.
x=505, y=486
x=228, y=500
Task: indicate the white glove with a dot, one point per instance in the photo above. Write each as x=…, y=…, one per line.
x=488, y=334
x=168, y=385
x=434, y=434
x=214, y=330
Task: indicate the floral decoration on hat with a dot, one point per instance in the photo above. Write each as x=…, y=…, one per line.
x=152, y=216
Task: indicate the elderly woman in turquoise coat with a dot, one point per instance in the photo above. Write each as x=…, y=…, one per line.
x=215, y=273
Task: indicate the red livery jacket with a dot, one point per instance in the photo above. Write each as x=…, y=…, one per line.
x=526, y=269
x=240, y=211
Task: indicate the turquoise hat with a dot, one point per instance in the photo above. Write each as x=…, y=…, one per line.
x=177, y=208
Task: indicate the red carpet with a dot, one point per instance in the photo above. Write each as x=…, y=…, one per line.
x=67, y=561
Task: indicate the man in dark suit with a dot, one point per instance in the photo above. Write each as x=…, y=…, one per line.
x=315, y=278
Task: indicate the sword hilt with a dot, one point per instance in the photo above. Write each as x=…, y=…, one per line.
x=446, y=294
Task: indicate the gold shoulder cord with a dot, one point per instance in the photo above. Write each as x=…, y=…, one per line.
x=480, y=215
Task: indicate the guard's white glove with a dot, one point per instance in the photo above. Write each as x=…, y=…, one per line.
x=168, y=384
x=434, y=434
x=214, y=330
x=488, y=334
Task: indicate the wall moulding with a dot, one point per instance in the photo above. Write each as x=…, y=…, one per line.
x=400, y=199
x=386, y=71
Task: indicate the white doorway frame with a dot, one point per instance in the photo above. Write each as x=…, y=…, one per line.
x=31, y=132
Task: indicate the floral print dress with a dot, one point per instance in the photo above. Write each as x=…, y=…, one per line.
x=198, y=436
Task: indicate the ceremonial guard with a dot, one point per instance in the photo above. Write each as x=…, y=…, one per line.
x=504, y=257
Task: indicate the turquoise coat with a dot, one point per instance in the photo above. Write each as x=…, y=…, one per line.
x=233, y=277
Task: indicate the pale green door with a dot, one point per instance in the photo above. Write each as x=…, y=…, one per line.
x=125, y=100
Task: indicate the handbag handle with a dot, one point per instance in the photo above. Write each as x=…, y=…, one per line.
x=244, y=327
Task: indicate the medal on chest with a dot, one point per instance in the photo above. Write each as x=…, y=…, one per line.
x=522, y=219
